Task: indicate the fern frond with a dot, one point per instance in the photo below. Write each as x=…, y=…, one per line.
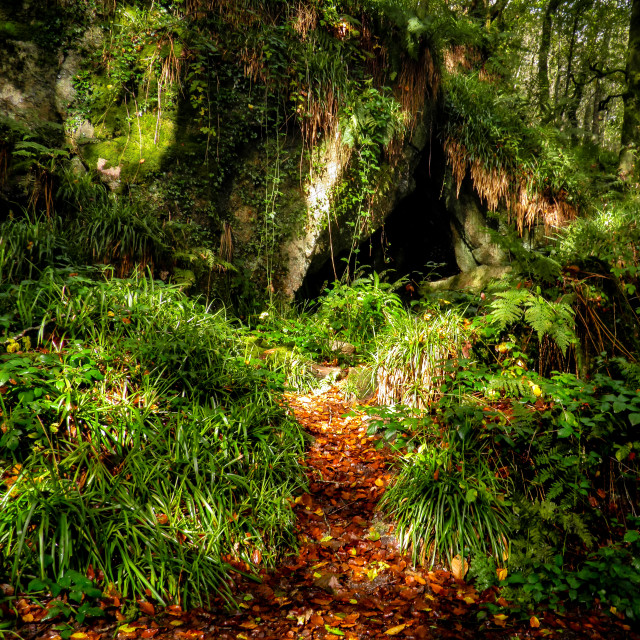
x=554, y=319
x=507, y=307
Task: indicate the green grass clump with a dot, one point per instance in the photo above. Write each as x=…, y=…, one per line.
x=139, y=441
x=410, y=356
x=448, y=501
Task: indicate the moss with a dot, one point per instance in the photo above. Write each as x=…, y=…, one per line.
x=10, y=29
x=184, y=277
x=136, y=152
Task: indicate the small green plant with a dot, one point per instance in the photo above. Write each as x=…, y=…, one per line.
x=447, y=501
x=81, y=597
x=410, y=355
x=358, y=311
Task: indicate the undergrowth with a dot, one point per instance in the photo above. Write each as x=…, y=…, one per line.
x=138, y=442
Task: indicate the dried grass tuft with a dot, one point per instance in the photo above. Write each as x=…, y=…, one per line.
x=527, y=205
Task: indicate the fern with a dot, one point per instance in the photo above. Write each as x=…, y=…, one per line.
x=510, y=387
x=507, y=307
x=553, y=319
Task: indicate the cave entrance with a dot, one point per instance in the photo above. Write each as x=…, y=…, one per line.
x=415, y=240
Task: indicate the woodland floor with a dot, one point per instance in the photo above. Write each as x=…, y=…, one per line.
x=349, y=579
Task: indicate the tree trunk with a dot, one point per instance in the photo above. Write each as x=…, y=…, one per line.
x=630, y=138
x=598, y=95
x=574, y=105
x=587, y=120
x=567, y=79
x=543, y=60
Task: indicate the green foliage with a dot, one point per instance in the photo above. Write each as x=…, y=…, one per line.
x=121, y=232
x=29, y=244
x=448, y=501
x=611, y=574
x=410, y=356
x=143, y=442
x=372, y=119
x=80, y=597
x=491, y=123
x=358, y=311
x=553, y=319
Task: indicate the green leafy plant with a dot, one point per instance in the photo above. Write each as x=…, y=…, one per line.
x=554, y=319
x=411, y=354
x=448, y=502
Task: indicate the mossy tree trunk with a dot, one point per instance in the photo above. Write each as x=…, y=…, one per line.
x=630, y=138
x=543, y=59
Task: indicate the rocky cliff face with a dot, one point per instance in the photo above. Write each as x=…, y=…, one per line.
x=268, y=201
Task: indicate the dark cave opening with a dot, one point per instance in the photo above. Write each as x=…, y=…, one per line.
x=415, y=241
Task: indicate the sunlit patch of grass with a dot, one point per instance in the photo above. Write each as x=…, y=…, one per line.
x=137, y=439
x=410, y=356
x=448, y=501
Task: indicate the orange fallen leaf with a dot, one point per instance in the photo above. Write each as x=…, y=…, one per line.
x=436, y=588
x=534, y=622
x=502, y=574
x=249, y=624
x=459, y=567
x=147, y=607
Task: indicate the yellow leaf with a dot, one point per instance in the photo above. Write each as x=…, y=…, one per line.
x=176, y=623
x=379, y=482
x=534, y=622
x=469, y=599
x=502, y=574
x=319, y=512
x=537, y=391
x=78, y=635
x=27, y=617
x=500, y=616
x=353, y=551
x=459, y=567
x=394, y=631
x=125, y=628
x=241, y=636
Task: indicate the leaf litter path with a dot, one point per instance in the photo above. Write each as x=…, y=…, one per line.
x=349, y=579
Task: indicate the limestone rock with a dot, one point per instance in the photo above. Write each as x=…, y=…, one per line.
x=343, y=348
x=475, y=280
x=109, y=175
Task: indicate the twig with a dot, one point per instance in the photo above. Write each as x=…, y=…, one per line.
x=22, y=333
